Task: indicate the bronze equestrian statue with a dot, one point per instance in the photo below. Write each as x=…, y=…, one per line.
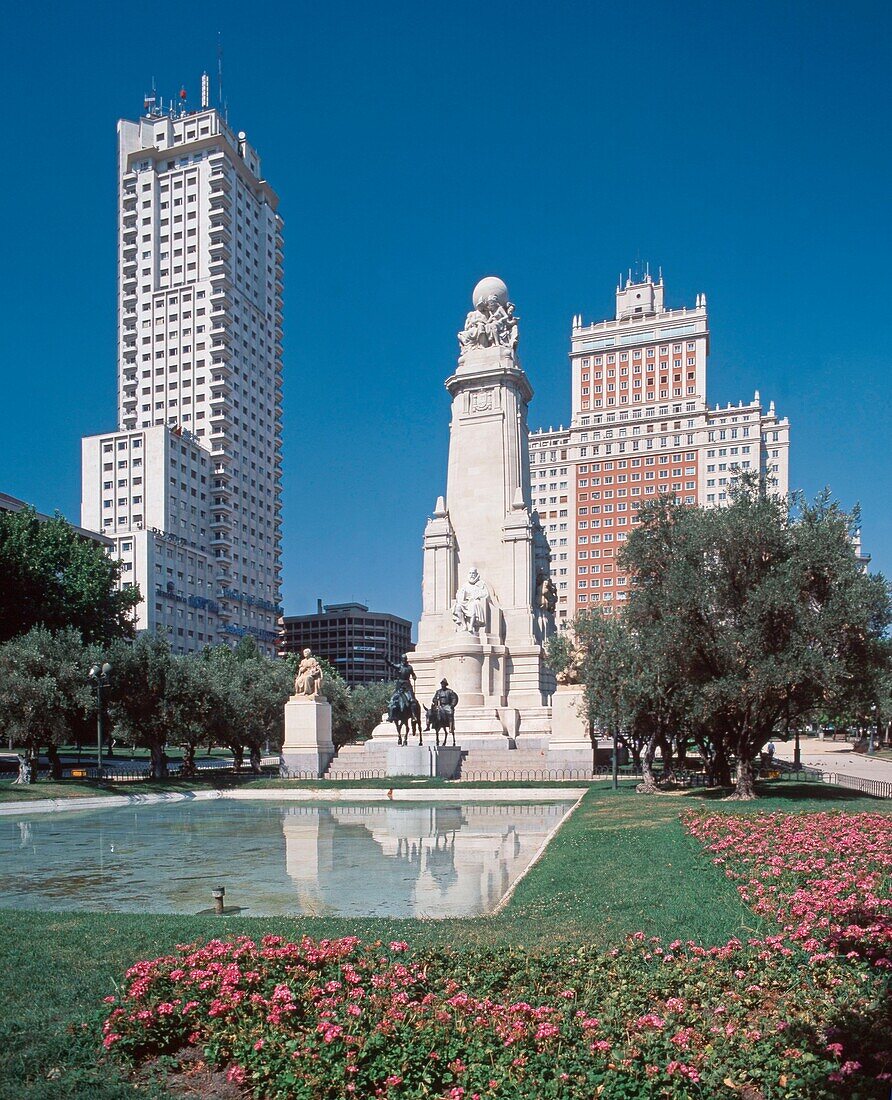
x=404, y=709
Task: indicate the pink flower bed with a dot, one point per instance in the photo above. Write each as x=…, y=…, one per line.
x=321, y=1020
x=825, y=877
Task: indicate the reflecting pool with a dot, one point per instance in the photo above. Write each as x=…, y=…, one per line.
x=274, y=858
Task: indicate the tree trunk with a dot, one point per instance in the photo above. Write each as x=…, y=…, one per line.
x=648, y=785
x=188, y=769
x=665, y=744
x=255, y=759
x=34, y=765
x=25, y=769
x=159, y=761
x=745, y=789
x=55, y=763
x=721, y=767
x=238, y=756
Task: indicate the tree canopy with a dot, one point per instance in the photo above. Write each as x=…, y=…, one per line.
x=740, y=623
x=51, y=576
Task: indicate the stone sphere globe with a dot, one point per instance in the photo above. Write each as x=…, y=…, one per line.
x=490, y=287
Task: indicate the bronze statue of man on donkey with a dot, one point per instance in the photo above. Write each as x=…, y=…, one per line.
x=441, y=713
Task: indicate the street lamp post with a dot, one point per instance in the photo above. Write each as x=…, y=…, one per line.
x=615, y=759
x=100, y=677
x=797, y=757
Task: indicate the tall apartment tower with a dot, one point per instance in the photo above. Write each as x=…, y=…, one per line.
x=640, y=425
x=189, y=484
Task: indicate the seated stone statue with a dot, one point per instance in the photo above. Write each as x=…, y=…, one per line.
x=308, y=681
x=469, y=608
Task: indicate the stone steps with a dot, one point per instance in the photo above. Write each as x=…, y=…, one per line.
x=358, y=762
x=502, y=763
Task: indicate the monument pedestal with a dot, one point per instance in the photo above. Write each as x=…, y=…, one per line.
x=308, y=748
x=570, y=745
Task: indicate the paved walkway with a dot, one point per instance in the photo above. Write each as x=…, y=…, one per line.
x=835, y=756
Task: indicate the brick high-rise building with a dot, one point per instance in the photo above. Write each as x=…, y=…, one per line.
x=640, y=425
x=188, y=485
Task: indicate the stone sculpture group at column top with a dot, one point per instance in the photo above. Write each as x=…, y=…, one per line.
x=492, y=322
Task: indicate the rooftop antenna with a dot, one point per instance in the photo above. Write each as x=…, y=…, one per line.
x=149, y=100
x=221, y=102
x=205, y=91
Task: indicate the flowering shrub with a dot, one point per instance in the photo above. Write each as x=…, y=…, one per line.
x=826, y=877
x=334, y=1018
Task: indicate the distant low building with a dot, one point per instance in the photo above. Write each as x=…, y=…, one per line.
x=357, y=642
x=13, y=504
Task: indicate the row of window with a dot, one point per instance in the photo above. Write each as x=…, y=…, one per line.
x=624, y=356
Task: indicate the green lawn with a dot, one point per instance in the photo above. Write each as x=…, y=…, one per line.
x=621, y=864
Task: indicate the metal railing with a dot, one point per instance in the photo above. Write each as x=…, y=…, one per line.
x=876, y=788
x=526, y=775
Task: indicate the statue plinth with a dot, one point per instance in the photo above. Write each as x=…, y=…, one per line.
x=570, y=745
x=308, y=748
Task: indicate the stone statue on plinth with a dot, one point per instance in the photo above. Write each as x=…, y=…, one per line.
x=308, y=681
x=308, y=748
x=469, y=609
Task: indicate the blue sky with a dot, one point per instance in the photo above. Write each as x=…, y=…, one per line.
x=417, y=147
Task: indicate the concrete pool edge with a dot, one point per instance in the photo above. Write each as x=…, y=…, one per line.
x=309, y=794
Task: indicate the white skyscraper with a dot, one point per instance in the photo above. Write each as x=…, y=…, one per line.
x=189, y=484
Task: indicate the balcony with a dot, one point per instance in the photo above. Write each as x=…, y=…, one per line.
x=219, y=201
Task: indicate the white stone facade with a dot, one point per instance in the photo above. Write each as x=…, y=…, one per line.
x=193, y=499
x=640, y=425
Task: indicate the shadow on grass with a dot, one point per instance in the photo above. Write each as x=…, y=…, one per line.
x=786, y=792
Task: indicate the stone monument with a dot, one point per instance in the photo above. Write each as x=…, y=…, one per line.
x=486, y=606
x=308, y=747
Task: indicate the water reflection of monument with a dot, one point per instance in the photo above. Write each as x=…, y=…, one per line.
x=418, y=861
